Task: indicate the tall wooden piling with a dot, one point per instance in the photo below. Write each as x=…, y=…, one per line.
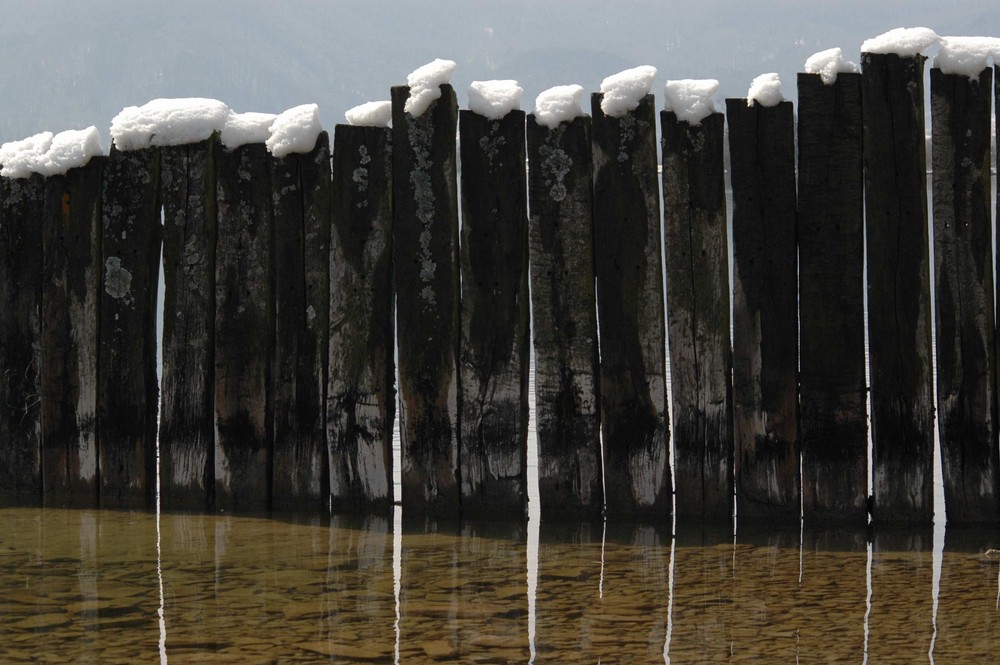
x=765, y=309
x=128, y=395
x=630, y=312
x=301, y=191
x=244, y=327
x=360, y=399
x=21, y=211
x=697, y=269
x=899, y=321
x=561, y=244
x=188, y=190
x=495, y=341
x=833, y=391
x=963, y=263
x=71, y=241
x=425, y=223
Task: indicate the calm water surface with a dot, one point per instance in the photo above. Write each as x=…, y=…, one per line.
x=102, y=587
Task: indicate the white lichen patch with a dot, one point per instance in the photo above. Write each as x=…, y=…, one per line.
x=556, y=165
x=117, y=280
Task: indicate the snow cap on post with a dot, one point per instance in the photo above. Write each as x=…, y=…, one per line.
x=828, y=64
x=558, y=104
x=50, y=155
x=901, y=41
x=165, y=122
x=968, y=56
x=765, y=90
x=691, y=100
x=243, y=128
x=425, y=85
x=370, y=114
x=494, y=99
x=623, y=91
x=295, y=130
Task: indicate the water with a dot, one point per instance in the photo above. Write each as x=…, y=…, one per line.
x=105, y=587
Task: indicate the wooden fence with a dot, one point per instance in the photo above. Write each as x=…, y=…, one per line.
x=290, y=283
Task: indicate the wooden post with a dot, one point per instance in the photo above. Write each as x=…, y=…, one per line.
x=899, y=321
x=561, y=228
x=495, y=340
x=301, y=191
x=834, y=419
x=425, y=246
x=187, y=176
x=127, y=389
x=72, y=281
x=20, y=340
x=244, y=328
x=630, y=313
x=696, y=250
x=360, y=400
x=966, y=335
x=765, y=310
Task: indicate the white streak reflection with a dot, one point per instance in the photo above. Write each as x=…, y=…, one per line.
x=397, y=570
x=868, y=598
x=938, y=559
x=532, y=552
x=670, y=601
x=159, y=567
x=604, y=535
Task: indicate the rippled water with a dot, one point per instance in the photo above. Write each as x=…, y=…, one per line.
x=102, y=587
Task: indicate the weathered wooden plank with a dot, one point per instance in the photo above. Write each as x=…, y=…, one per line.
x=71, y=287
x=561, y=247
x=765, y=309
x=495, y=338
x=899, y=321
x=630, y=312
x=832, y=385
x=127, y=394
x=301, y=190
x=21, y=209
x=244, y=327
x=697, y=270
x=188, y=191
x=425, y=247
x=360, y=400
x=963, y=264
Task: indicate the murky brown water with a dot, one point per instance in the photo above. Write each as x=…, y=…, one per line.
x=93, y=587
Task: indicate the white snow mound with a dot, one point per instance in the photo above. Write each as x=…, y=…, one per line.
x=828, y=64
x=425, y=85
x=370, y=114
x=901, y=41
x=691, y=100
x=243, y=128
x=494, y=99
x=295, y=130
x=966, y=55
x=558, y=104
x=765, y=90
x=623, y=91
x=50, y=155
x=163, y=122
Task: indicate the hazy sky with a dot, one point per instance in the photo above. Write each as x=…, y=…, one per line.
x=72, y=63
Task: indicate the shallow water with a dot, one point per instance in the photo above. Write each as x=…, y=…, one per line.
x=103, y=587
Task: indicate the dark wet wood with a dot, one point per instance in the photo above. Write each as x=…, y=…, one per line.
x=765, y=310
x=21, y=212
x=301, y=191
x=834, y=419
x=561, y=247
x=244, y=327
x=899, y=321
x=495, y=338
x=630, y=312
x=70, y=291
x=127, y=397
x=360, y=400
x=425, y=248
x=187, y=413
x=965, y=302
x=696, y=251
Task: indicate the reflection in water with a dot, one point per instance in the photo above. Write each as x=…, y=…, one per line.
x=100, y=587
